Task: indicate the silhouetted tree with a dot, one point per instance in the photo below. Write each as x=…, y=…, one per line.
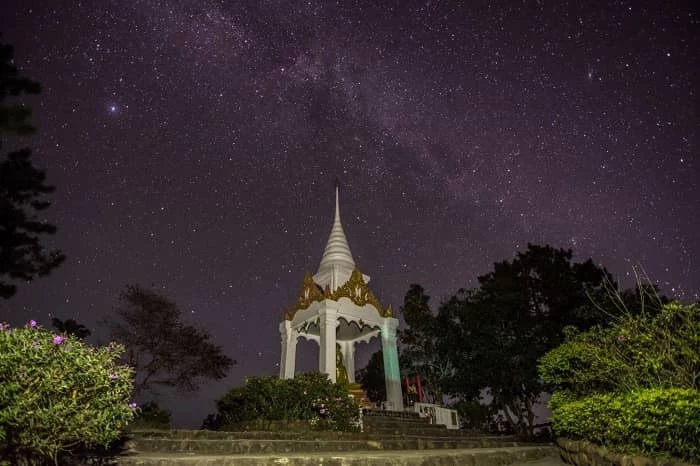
x=71, y=327
x=424, y=344
x=22, y=190
x=371, y=377
x=500, y=330
x=164, y=351
x=516, y=316
x=490, y=339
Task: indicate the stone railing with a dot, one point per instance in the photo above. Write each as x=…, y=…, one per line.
x=582, y=453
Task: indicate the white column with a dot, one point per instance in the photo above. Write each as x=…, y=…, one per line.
x=392, y=376
x=348, y=348
x=289, y=350
x=328, y=320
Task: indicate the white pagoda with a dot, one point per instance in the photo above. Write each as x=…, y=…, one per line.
x=335, y=308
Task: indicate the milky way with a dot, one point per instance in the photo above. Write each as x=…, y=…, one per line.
x=195, y=145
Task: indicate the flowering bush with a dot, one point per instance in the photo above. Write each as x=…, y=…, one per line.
x=59, y=395
x=308, y=397
x=151, y=416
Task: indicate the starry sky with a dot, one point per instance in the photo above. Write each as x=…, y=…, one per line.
x=194, y=145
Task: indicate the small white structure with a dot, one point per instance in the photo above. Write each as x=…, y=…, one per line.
x=335, y=307
x=438, y=415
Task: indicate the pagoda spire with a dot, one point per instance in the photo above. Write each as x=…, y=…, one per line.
x=337, y=263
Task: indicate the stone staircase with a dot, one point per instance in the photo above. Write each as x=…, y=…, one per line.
x=405, y=423
x=388, y=439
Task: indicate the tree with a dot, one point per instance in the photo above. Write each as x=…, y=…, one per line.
x=425, y=344
x=22, y=188
x=71, y=327
x=372, y=378
x=164, y=351
x=515, y=316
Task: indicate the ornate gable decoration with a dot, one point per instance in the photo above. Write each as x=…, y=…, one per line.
x=354, y=289
x=357, y=291
x=310, y=293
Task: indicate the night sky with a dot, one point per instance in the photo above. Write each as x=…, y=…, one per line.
x=195, y=145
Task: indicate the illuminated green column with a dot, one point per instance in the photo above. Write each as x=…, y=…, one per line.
x=392, y=375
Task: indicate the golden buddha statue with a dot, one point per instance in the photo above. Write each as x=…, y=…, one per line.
x=341, y=373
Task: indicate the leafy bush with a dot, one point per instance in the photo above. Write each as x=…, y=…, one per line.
x=648, y=421
x=308, y=397
x=635, y=352
x=479, y=417
x=58, y=395
x=151, y=416
x=632, y=385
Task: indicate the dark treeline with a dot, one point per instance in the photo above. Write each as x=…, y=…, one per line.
x=488, y=340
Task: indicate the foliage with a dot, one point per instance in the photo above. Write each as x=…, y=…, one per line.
x=661, y=350
x=371, y=377
x=164, y=351
x=634, y=384
x=71, y=327
x=151, y=416
x=307, y=397
x=480, y=417
x=22, y=187
x=649, y=421
x=488, y=340
x=425, y=344
x=14, y=118
x=59, y=395
x=500, y=330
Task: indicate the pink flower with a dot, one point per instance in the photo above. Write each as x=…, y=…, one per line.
x=58, y=339
x=4, y=325
x=113, y=376
x=32, y=323
x=132, y=405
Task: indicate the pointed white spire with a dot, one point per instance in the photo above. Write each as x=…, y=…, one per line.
x=337, y=263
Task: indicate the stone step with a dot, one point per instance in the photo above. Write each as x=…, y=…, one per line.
x=390, y=414
x=428, y=430
x=419, y=421
x=269, y=446
x=317, y=435
x=435, y=433
x=471, y=457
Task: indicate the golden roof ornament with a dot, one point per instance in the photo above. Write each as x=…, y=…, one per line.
x=310, y=292
x=358, y=292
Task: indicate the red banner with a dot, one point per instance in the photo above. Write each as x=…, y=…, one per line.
x=414, y=389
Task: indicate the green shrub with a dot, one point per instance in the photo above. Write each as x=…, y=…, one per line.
x=308, y=397
x=59, y=395
x=151, y=416
x=595, y=361
x=648, y=421
x=635, y=352
x=633, y=385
